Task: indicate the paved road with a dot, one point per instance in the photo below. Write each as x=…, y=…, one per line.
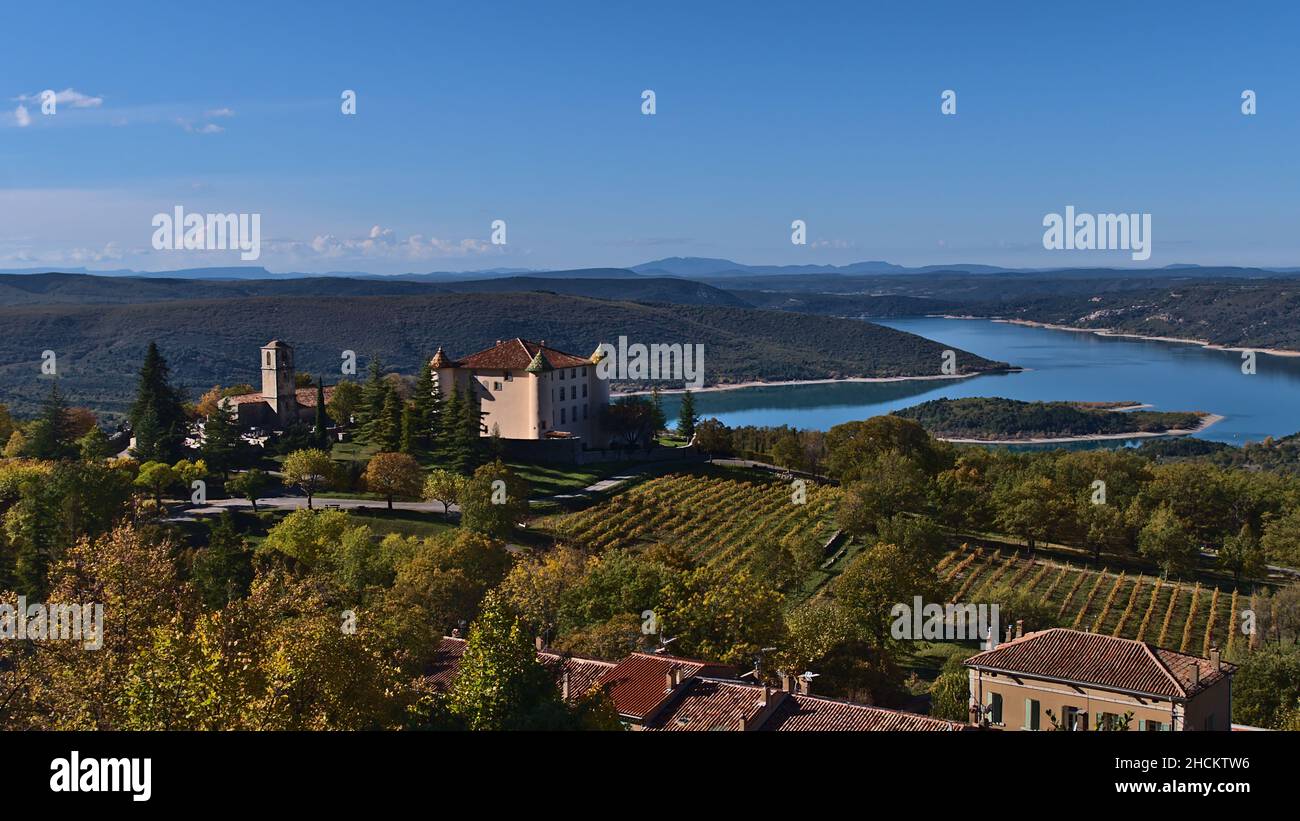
x=319, y=502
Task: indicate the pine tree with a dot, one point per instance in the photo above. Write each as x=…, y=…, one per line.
x=452, y=442
x=220, y=441
x=386, y=430
x=52, y=436
x=158, y=416
x=372, y=397
x=686, y=418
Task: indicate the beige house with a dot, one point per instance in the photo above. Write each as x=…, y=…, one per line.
x=1087, y=680
x=527, y=390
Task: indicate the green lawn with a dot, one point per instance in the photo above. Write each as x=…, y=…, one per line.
x=403, y=522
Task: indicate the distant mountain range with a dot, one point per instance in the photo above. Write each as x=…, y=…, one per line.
x=687, y=267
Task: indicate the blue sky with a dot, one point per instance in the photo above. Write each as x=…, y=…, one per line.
x=531, y=113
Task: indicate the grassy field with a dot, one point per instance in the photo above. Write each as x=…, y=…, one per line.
x=1188, y=616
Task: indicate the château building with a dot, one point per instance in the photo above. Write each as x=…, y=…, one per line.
x=527, y=390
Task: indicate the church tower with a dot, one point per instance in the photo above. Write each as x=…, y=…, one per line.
x=279, y=389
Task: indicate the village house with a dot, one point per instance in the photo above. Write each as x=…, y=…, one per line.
x=281, y=402
x=659, y=692
x=1087, y=679
x=528, y=390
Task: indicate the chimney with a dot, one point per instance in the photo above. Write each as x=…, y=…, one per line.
x=805, y=686
x=564, y=686
x=1214, y=659
x=1020, y=628
x=539, y=644
x=669, y=682
x=765, y=697
x=498, y=342
x=677, y=675
x=744, y=725
x=1009, y=634
x=787, y=685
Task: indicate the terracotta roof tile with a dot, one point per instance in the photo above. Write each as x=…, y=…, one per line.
x=638, y=684
x=1101, y=661
x=710, y=704
x=516, y=355
x=800, y=713
x=583, y=673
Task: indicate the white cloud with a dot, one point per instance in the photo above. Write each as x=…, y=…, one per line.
x=205, y=128
x=67, y=96
x=20, y=114
x=384, y=243
x=219, y=112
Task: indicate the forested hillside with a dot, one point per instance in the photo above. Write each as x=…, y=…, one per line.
x=997, y=418
x=212, y=342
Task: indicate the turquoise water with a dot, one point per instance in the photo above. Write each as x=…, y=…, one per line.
x=1062, y=365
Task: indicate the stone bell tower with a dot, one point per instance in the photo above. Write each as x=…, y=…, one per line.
x=279, y=389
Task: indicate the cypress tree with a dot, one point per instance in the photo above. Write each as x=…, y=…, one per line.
x=322, y=435
x=425, y=406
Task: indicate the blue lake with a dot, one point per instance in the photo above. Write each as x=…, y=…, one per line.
x=1061, y=365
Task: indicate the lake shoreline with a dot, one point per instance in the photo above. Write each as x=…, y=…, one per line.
x=1111, y=332
x=870, y=379
x=1207, y=420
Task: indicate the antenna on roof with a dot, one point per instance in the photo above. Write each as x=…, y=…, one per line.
x=663, y=643
x=758, y=663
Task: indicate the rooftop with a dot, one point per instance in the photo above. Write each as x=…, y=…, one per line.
x=515, y=355
x=1107, y=662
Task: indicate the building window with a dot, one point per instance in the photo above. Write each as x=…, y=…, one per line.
x=561, y=374
x=564, y=417
x=573, y=372
x=1074, y=719
x=995, y=708
x=584, y=412
x=496, y=386
x=1031, y=714
x=584, y=390
x=510, y=377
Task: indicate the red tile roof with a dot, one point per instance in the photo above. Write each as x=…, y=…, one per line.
x=638, y=684
x=583, y=673
x=516, y=354
x=446, y=663
x=799, y=713
x=1106, y=662
x=707, y=704
x=306, y=397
